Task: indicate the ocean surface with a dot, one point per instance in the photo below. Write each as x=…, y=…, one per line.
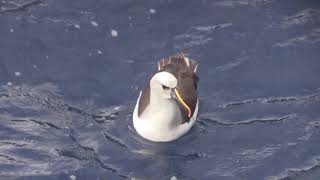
x=71, y=71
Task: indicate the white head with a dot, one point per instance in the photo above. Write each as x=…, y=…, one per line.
x=162, y=83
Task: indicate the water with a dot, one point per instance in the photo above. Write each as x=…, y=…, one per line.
x=70, y=72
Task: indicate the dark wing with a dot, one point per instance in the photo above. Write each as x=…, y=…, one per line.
x=187, y=87
x=185, y=72
x=144, y=99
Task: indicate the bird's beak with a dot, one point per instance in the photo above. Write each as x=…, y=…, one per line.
x=176, y=95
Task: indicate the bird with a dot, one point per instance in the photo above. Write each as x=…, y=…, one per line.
x=167, y=107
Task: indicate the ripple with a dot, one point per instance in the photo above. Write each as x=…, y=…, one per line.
x=15, y=7
x=249, y=121
x=198, y=35
x=7, y=159
x=303, y=17
x=45, y=124
x=211, y=28
x=230, y=3
x=311, y=37
x=173, y=155
x=115, y=140
x=232, y=64
x=15, y=144
x=261, y=153
x=91, y=157
x=271, y=100
x=290, y=173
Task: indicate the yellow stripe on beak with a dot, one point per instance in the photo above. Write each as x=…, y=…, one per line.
x=184, y=104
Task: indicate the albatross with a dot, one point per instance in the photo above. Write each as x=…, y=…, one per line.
x=167, y=107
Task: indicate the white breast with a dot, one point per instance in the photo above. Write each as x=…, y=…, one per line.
x=161, y=123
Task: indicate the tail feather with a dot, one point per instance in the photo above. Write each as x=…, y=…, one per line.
x=178, y=58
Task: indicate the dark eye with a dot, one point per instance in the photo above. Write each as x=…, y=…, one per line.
x=165, y=87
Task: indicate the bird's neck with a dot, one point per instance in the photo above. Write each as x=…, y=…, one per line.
x=162, y=111
x=156, y=96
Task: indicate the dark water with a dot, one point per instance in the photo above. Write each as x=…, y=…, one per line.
x=69, y=85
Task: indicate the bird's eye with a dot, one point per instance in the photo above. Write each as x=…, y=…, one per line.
x=165, y=87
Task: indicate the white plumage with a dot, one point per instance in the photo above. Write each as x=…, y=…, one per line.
x=164, y=114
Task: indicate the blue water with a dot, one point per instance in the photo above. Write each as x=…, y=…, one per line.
x=70, y=73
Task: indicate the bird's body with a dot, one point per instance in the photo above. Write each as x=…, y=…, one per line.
x=167, y=107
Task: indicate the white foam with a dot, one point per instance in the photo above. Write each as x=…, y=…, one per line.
x=173, y=178
x=94, y=23
x=73, y=177
x=99, y=51
x=117, y=108
x=17, y=73
x=152, y=11
x=114, y=33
